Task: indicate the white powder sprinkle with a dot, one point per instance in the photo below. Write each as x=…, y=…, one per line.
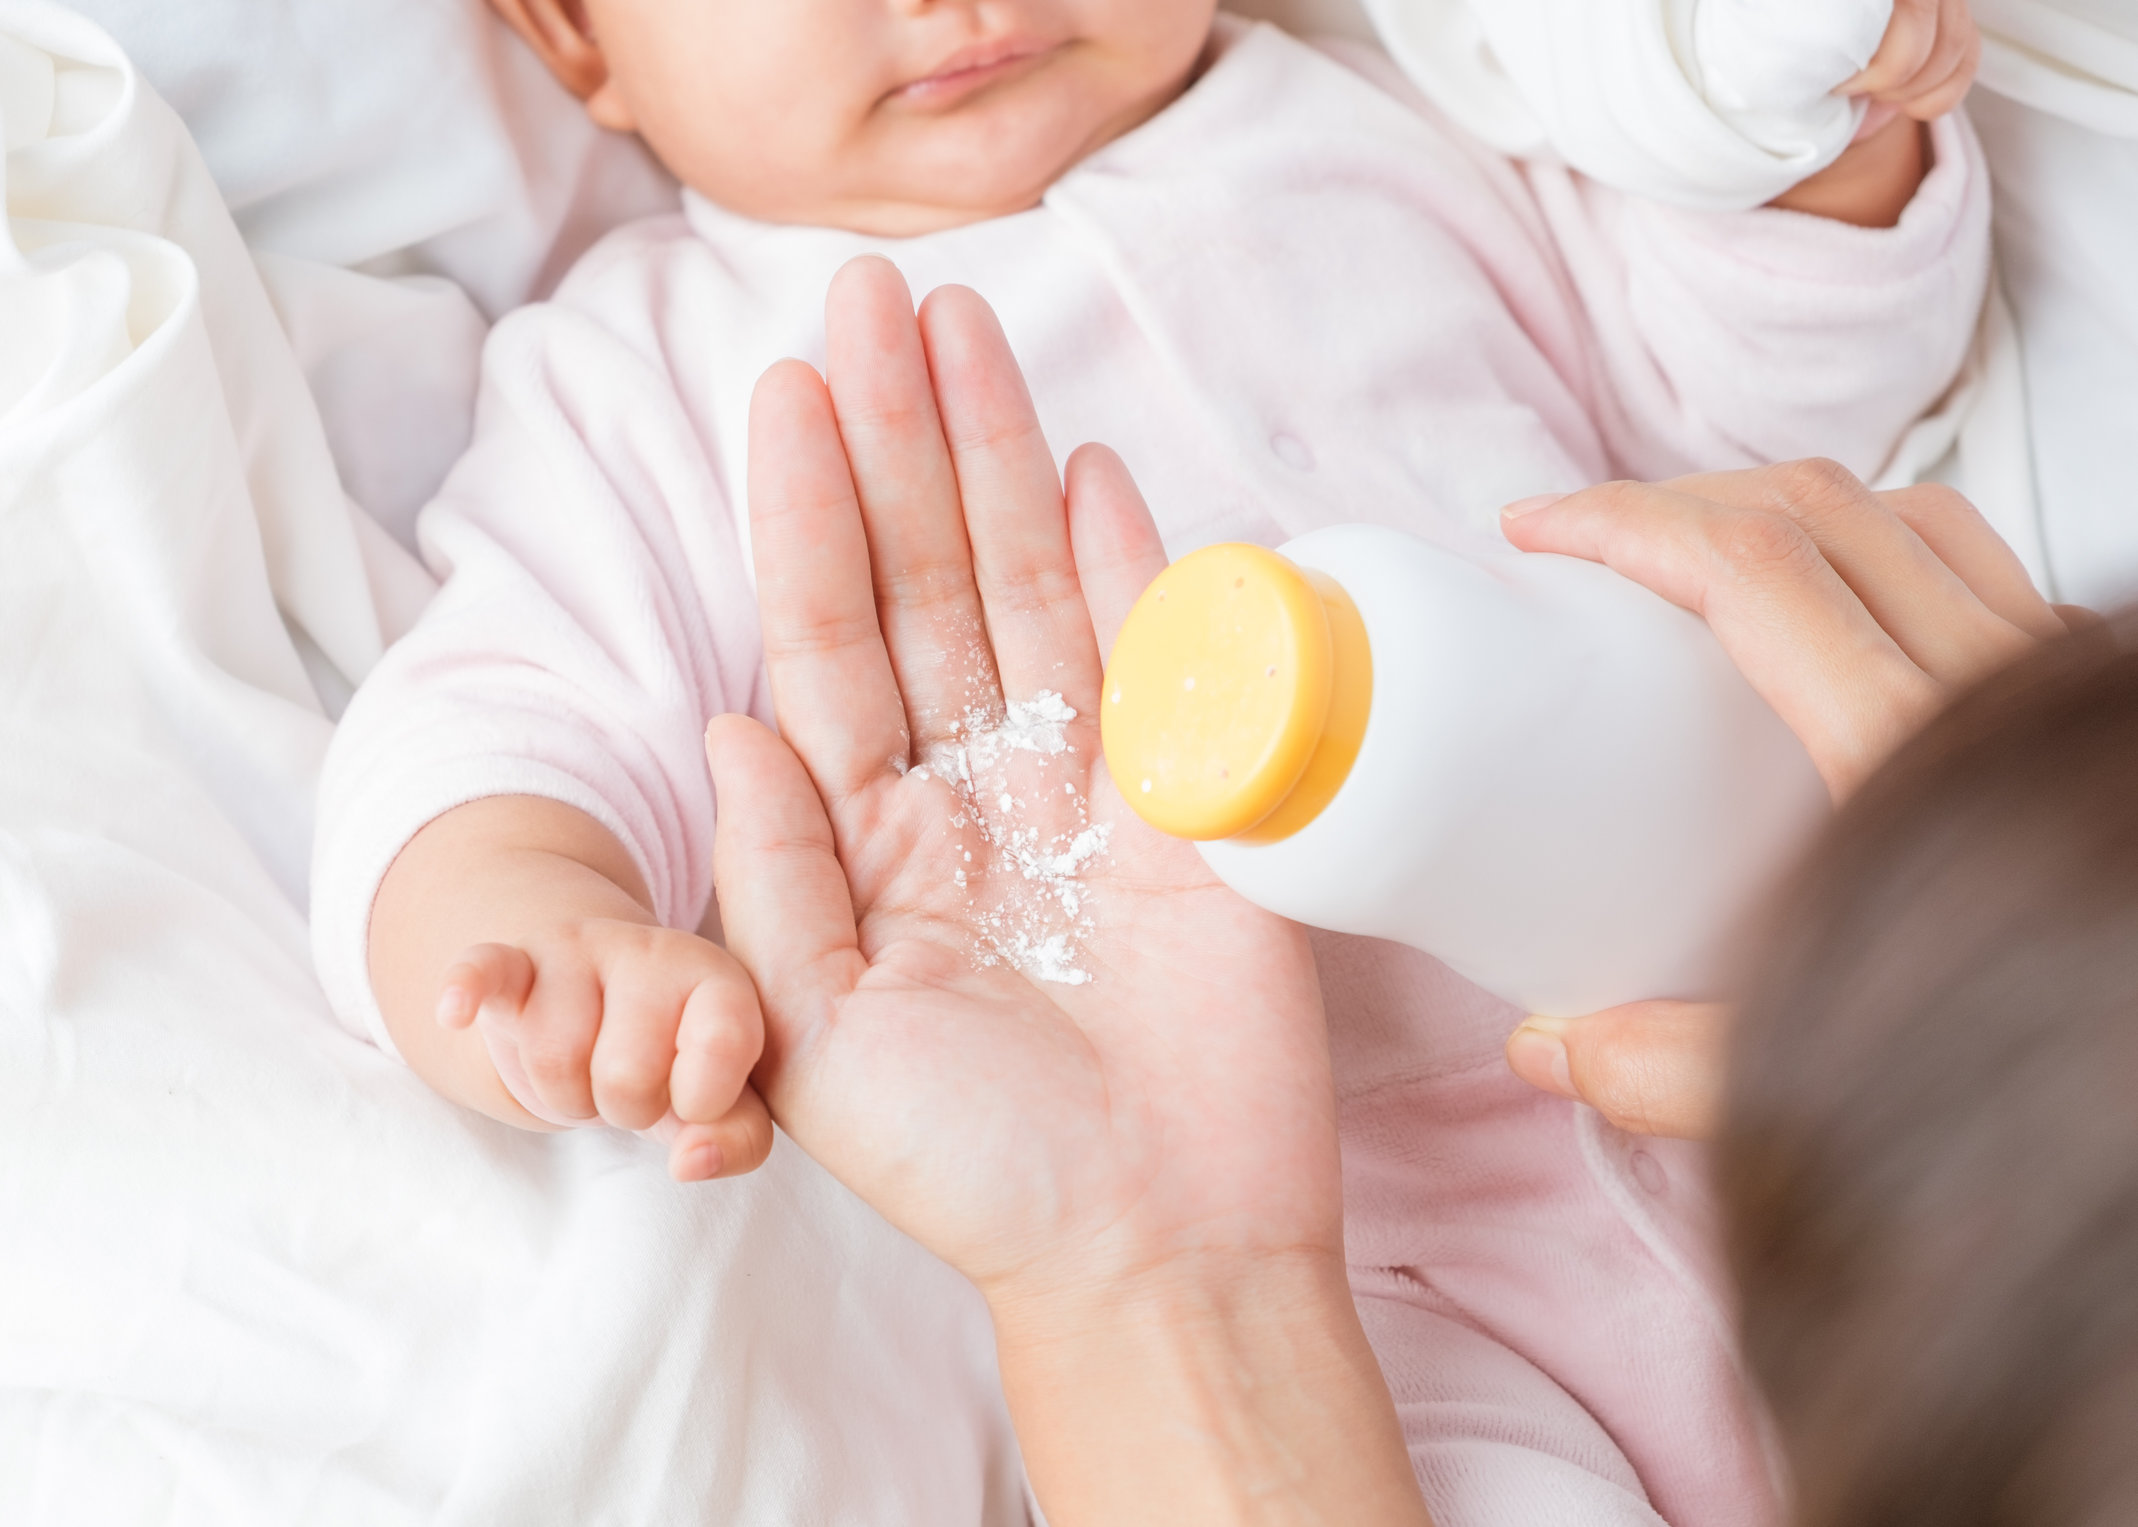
x=1038, y=924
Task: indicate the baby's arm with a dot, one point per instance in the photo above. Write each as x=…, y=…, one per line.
x=521, y=973
x=515, y=819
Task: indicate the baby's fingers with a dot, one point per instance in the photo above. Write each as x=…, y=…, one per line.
x=1943, y=80
x=543, y=1051
x=1926, y=61
x=718, y=1044
x=666, y=994
x=1904, y=50
x=736, y=1143
x=486, y=973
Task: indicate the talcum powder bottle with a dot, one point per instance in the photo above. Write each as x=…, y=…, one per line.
x=1524, y=765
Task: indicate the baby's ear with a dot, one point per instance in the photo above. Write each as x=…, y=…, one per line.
x=562, y=36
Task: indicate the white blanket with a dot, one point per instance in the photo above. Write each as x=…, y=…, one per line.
x=1720, y=104
x=1723, y=103
x=250, y=1269
x=416, y=141
x=417, y=132
x=2059, y=121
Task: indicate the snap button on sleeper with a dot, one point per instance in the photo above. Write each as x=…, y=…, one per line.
x=1292, y=451
x=1649, y=1173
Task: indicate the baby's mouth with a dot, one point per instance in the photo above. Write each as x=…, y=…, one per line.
x=971, y=70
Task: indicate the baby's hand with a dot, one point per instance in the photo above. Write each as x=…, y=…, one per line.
x=1926, y=61
x=645, y=1028
x=1921, y=70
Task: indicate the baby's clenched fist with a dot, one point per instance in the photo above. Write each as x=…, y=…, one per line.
x=1926, y=62
x=641, y=1027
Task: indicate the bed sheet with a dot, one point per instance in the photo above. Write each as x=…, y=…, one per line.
x=397, y=135
x=250, y=1269
x=405, y=172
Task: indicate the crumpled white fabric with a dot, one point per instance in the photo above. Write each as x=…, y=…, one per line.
x=2076, y=60
x=407, y=171
x=251, y=1270
x=1725, y=103
x=1712, y=104
x=418, y=133
x=2039, y=430
x=2058, y=114
x=133, y=320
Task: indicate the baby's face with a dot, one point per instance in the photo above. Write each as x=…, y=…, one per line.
x=891, y=117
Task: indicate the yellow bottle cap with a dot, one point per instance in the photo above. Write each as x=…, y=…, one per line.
x=1236, y=696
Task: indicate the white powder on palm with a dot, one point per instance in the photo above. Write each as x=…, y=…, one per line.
x=1038, y=924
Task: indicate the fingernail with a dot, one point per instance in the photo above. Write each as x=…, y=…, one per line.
x=698, y=1164
x=1537, y=1053
x=456, y=1008
x=1522, y=506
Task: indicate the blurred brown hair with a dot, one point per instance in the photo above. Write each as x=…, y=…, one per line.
x=1930, y=1156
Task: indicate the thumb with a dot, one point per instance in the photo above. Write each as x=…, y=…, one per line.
x=1651, y=1068
x=482, y=975
x=784, y=902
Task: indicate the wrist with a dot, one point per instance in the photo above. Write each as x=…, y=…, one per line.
x=1872, y=182
x=1210, y=1388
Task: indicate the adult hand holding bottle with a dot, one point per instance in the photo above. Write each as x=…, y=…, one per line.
x=1854, y=614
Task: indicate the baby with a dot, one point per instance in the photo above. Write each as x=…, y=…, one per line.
x=1290, y=295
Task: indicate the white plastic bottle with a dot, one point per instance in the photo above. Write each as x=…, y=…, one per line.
x=1524, y=765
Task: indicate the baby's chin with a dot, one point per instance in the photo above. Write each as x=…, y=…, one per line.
x=914, y=174
x=911, y=210
x=911, y=204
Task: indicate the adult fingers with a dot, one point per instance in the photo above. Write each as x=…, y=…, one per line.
x=1910, y=36
x=486, y=973
x=718, y=1043
x=784, y=899
x=1964, y=541
x=1013, y=503
x=1651, y=1068
x=1118, y=551
x=927, y=605
x=737, y=1142
x=1799, y=634
x=832, y=682
x=1928, y=610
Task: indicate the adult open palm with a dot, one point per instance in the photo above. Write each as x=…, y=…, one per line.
x=1032, y=1032
x=1002, y=1009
